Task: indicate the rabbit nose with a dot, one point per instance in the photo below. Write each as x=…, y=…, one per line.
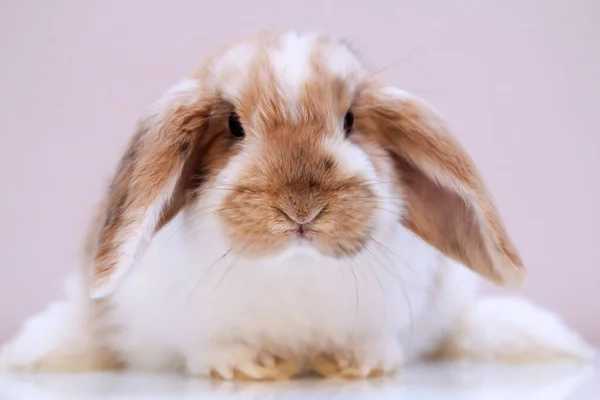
x=302, y=215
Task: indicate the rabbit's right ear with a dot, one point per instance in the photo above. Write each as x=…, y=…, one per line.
x=145, y=182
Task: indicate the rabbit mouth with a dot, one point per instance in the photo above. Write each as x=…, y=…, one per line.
x=300, y=240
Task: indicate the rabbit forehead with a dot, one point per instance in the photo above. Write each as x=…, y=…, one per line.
x=284, y=66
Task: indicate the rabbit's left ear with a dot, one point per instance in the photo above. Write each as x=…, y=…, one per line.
x=447, y=203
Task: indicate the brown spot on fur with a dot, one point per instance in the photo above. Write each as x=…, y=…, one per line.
x=328, y=164
x=184, y=147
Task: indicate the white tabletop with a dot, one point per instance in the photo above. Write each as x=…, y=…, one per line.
x=422, y=382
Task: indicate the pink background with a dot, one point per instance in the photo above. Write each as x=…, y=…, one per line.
x=519, y=80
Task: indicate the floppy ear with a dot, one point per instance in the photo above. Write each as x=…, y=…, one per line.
x=447, y=203
x=144, y=184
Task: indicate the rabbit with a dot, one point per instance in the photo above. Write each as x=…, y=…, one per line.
x=280, y=211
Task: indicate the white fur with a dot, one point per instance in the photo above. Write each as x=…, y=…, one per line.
x=183, y=92
x=59, y=331
x=502, y=326
x=341, y=61
x=397, y=92
x=292, y=61
x=351, y=158
x=231, y=70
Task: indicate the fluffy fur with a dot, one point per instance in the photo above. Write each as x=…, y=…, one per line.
x=306, y=244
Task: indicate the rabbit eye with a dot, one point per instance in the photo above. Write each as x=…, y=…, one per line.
x=235, y=126
x=348, y=122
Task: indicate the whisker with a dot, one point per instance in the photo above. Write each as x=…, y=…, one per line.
x=395, y=62
x=216, y=208
x=402, y=283
x=386, y=249
x=391, y=265
x=410, y=313
x=232, y=188
x=381, y=287
x=227, y=271
x=356, y=293
x=206, y=272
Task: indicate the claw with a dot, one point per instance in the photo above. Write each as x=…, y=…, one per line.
x=329, y=367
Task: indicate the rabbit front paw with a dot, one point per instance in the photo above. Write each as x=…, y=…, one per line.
x=243, y=362
x=367, y=360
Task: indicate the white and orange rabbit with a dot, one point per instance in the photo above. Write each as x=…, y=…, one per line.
x=280, y=211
